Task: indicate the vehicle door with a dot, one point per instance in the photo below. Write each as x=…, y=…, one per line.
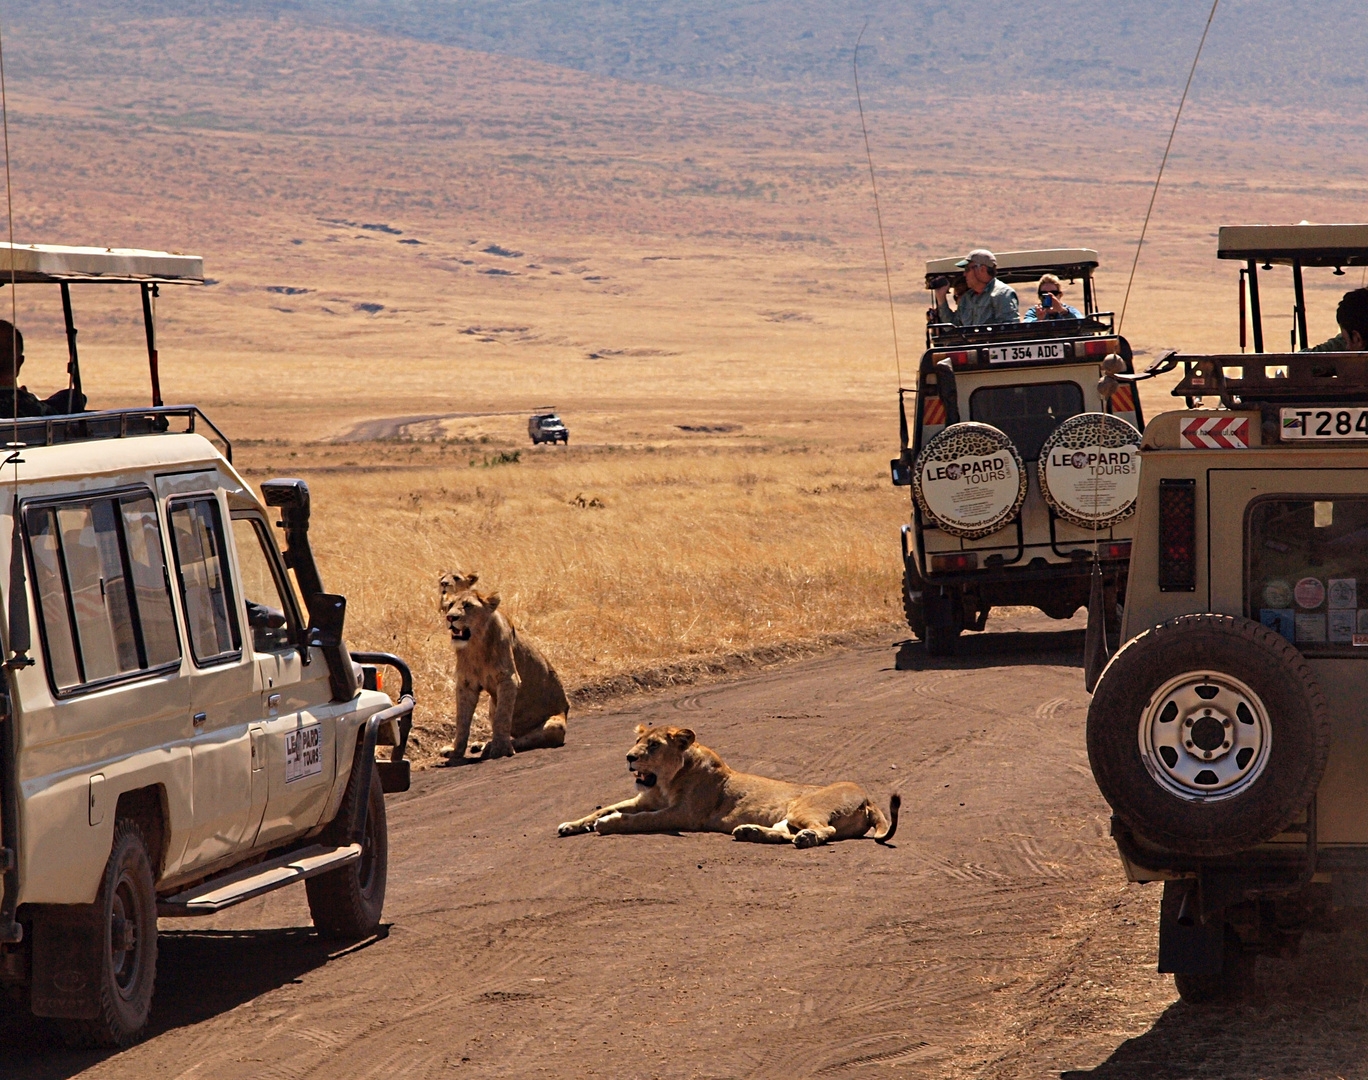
x=1304, y=574
x=225, y=698
x=297, y=749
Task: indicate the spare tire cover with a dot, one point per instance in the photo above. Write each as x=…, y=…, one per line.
x=970, y=480
x=1089, y=470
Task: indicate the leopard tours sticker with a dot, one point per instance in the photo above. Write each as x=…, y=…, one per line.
x=303, y=753
x=970, y=480
x=1089, y=470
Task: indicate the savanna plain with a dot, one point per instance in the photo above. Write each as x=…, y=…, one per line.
x=411, y=247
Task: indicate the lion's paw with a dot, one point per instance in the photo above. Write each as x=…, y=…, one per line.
x=806, y=838
x=572, y=828
x=493, y=749
x=605, y=824
x=476, y=748
x=750, y=833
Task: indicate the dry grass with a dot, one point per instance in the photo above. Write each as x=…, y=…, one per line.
x=611, y=559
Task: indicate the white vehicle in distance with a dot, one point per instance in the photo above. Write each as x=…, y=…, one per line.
x=182, y=727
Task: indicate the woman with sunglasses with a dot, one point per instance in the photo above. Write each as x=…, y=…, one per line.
x=1050, y=306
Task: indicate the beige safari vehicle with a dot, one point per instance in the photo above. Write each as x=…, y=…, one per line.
x=181, y=725
x=1021, y=470
x=1228, y=733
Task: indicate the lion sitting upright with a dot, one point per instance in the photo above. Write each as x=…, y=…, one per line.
x=528, y=707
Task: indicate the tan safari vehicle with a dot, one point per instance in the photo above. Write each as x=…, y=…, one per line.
x=1228, y=732
x=181, y=725
x=1020, y=469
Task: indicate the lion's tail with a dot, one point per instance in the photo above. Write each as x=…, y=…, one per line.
x=894, y=802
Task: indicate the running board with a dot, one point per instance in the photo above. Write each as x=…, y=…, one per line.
x=233, y=888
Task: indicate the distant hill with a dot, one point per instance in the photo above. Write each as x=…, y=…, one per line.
x=1307, y=54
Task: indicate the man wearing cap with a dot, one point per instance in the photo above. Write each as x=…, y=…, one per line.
x=988, y=300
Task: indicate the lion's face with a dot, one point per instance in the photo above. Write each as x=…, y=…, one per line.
x=467, y=613
x=658, y=754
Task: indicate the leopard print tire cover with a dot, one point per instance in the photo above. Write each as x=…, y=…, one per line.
x=1089, y=470
x=970, y=480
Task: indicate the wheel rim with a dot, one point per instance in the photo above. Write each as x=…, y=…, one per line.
x=125, y=937
x=1205, y=736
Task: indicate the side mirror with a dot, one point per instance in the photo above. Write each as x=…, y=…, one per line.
x=327, y=613
x=902, y=472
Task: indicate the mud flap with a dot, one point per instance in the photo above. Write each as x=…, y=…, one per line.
x=1095, y=651
x=1187, y=945
x=67, y=945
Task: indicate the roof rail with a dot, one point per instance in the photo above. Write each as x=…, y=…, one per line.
x=109, y=424
x=1242, y=380
x=940, y=334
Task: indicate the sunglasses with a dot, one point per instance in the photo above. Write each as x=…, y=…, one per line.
x=1050, y=292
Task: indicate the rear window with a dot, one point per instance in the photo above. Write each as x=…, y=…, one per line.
x=1306, y=569
x=1026, y=414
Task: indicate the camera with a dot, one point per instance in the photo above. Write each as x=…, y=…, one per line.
x=1047, y=301
x=939, y=282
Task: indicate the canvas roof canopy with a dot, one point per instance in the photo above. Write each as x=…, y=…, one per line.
x=58, y=263
x=1018, y=266
x=1307, y=244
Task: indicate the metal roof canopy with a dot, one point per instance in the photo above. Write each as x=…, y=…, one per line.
x=1309, y=245
x=1018, y=266
x=58, y=264
x=1296, y=246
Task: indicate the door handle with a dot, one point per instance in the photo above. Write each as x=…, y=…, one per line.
x=200, y=718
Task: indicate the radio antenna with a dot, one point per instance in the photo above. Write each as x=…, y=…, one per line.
x=878, y=217
x=1181, y=101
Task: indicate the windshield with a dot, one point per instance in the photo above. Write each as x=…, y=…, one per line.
x=1026, y=414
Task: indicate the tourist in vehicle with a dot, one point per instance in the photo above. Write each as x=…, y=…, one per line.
x=1053, y=307
x=1352, y=316
x=20, y=402
x=986, y=300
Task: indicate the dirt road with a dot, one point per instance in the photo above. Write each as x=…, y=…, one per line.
x=994, y=938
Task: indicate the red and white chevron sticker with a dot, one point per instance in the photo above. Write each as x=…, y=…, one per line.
x=1216, y=433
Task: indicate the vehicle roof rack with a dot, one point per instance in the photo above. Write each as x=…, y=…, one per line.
x=940, y=335
x=109, y=424
x=1018, y=266
x=1288, y=245
x=60, y=264
x=1245, y=380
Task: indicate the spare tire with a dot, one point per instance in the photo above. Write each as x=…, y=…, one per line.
x=1089, y=470
x=969, y=480
x=1208, y=734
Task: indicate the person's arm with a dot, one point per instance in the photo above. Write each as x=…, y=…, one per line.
x=1335, y=344
x=1030, y=315
x=1005, y=310
x=945, y=315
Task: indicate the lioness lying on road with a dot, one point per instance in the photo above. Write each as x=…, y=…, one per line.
x=528, y=707
x=684, y=786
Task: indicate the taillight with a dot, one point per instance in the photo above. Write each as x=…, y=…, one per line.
x=959, y=359
x=1120, y=550
x=961, y=560
x=1177, y=535
x=1096, y=347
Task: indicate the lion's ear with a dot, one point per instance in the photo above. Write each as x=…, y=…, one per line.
x=683, y=737
x=641, y=729
x=491, y=602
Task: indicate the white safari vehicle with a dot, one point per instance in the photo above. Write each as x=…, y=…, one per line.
x=1021, y=461
x=1228, y=732
x=181, y=725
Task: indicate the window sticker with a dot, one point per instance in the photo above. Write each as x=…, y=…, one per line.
x=1342, y=626
x=303, y=753
x=1311, y=628
x=1281, y=620
x=1343, y=593
x=1277, y=594
x=1310, y=593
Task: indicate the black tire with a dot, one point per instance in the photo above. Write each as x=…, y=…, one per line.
x=944, y=622
x=126, y=906
x=913, y=609
x=347, y=903
x=1284, y=715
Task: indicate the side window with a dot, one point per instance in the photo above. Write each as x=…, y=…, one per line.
x=1306, y=569
x=197, y=530
x=271, y=615
x=103, y=600
x=1026, y=414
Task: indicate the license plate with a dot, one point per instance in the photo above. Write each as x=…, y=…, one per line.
x=1324, y=424
x=303, y=753
x=1017, y=354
